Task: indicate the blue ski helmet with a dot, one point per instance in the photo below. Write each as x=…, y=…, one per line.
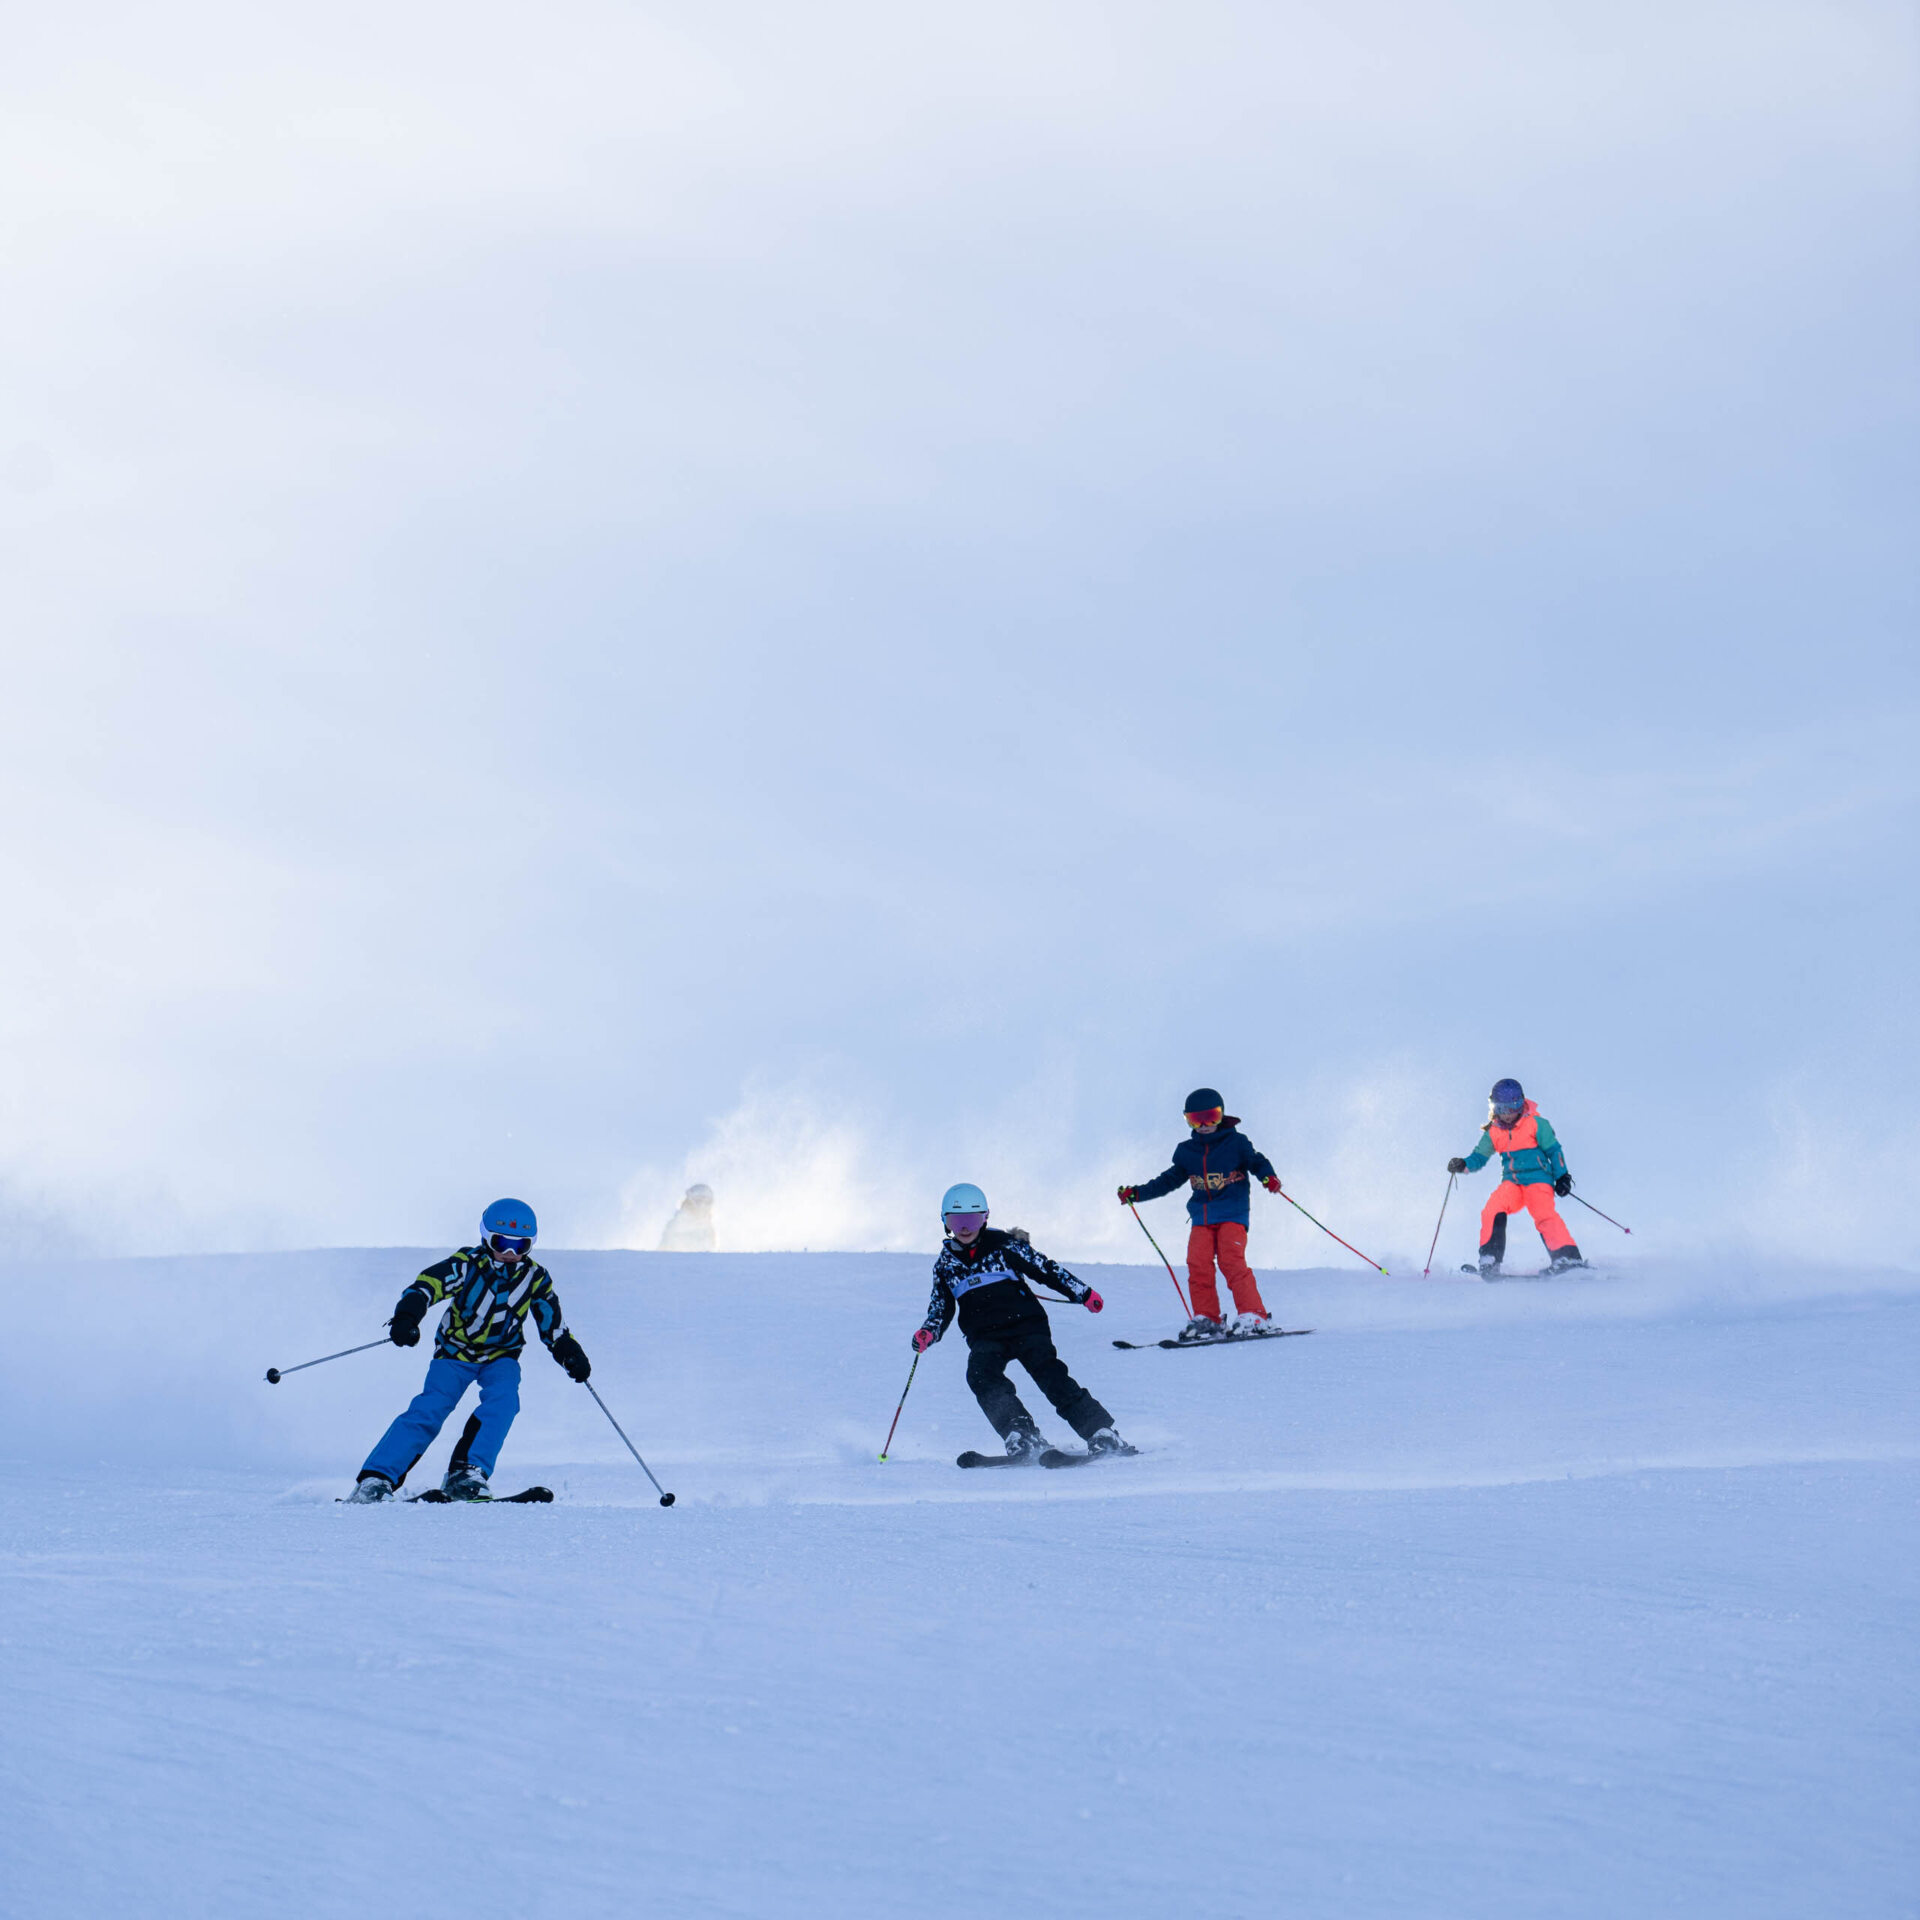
x=509, y=1216
x=962, y=1197
x=1509, y=1095
x=1203, y=1100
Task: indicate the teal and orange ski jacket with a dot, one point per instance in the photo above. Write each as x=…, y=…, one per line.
x=1530, y=1154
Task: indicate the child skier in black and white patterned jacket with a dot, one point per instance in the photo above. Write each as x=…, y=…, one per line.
x=981, y=1276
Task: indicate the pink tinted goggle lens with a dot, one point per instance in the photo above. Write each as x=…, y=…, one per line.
x=965, y=1222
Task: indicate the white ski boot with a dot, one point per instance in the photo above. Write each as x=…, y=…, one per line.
x=1252, y=1323
x=1565, y=1259
x=466, y=1483
x=1108, y=1441
x=370, y=1489
x=1025, y=1443
x=1201, y=1328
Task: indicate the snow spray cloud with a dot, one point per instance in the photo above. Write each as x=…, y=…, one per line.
x=785, y=1176
x=1801, y=1199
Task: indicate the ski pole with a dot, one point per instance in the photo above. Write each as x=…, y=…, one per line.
x=276, y=1374
x=666, y=1499
x=1164, y=1261
x=1438, y=1224
x=1607, y=1217
x=1331, y=1235
x=904, y=1391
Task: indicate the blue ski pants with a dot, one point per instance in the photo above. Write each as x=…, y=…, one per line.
x=413, y=1433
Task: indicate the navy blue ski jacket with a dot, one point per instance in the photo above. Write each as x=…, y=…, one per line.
x=1217, y=1166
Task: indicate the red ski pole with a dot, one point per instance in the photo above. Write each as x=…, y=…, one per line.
x=1164, y=1261
x=904, y=1391
x=1331, y=1235
x=1438, y=1224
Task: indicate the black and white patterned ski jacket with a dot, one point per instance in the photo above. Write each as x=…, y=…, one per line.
x=487, y=1301
x=986, y=1284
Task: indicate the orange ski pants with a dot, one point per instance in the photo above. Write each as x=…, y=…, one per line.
x=1537, y=1199
x=1228, y=1244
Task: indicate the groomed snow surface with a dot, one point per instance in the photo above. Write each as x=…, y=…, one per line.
x=1592, y=1597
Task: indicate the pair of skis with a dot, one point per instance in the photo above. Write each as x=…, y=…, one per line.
x=1544, y=1273
x=435, y=1497
x=1048, y=1457
x=526, y=1497
x=1216, y=1339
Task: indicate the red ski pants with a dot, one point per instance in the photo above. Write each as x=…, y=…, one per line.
x=1228, y=1244
x=1537, y=1199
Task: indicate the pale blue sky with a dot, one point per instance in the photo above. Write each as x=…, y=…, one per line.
x=838, y=599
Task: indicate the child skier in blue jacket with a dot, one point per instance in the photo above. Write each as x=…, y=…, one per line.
x=1216, y=1161
x=490, y=1290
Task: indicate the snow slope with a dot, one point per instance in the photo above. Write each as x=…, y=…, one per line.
x=1583, y=1598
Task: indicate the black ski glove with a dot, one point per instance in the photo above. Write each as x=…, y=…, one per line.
x=568, y=1352
x=1564, y=1185
x=404, y=1328
x=1456, y=1165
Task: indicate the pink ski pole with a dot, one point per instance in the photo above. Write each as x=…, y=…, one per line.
x=1331, y=1235
x=1164, y=1261
x=1438, y=1224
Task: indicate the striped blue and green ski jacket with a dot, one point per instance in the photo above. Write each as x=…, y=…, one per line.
x=487, y=1304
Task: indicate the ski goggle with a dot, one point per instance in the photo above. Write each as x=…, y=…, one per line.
x=510, y=1242
x=965, y=1222
x=1209, y=1117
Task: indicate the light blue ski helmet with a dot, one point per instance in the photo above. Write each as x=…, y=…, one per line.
x=509, y=1216
x=963, y=1197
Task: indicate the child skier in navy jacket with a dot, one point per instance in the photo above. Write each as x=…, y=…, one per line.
x=981, y=1276
x=1216, y=1161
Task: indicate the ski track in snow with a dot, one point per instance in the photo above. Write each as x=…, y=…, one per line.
x=1587, y=1599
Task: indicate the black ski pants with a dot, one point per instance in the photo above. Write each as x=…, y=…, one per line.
x=989, y=1357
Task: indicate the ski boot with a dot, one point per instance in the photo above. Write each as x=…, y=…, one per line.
x=1568, y=1257
x=370, y=1489
x=1025, y=1443
x=465, y=1483
x=1107, y=1441
x=1488, y=1269
x=1200, y=1328
x=1251, y=1323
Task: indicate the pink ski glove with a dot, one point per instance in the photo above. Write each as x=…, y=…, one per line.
x=922, y=1340
x=1094, y=1302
